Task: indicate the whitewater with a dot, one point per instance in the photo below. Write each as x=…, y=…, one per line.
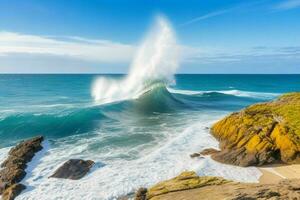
x=139, y=128
x=156, y=61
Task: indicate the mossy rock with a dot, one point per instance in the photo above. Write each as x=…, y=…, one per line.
x=261, y=134
x=185, y=181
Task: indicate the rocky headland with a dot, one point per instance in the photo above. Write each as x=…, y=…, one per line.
x=261, y=134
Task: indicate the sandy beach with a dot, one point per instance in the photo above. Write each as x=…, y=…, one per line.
x=275, y=173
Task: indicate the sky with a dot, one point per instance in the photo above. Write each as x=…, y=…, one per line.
x=101, y=36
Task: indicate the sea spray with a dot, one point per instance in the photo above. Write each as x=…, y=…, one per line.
x=156, y=61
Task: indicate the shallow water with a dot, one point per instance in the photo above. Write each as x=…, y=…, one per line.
x=135, y=142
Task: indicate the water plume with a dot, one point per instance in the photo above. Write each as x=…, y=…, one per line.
x=155, y=63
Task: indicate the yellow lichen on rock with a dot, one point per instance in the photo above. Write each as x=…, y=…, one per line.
x=261, y=133
x=185, y=181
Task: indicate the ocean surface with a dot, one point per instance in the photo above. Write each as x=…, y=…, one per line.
x=134, y=141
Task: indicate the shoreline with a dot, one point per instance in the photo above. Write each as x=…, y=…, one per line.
x=277, y=172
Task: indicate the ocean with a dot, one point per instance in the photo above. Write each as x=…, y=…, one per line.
x=137, y=137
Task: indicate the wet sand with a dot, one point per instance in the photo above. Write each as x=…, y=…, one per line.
x=275, y=173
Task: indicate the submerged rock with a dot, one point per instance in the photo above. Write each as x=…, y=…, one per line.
x=14, y=166
x=73, y=169
x=261, y=134
x=189, y=186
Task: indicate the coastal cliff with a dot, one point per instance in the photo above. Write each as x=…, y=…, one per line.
x=261, y=134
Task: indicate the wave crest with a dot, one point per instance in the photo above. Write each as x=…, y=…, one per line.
x=155, y=61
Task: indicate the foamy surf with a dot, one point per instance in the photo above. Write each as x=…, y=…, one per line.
x=111, y=178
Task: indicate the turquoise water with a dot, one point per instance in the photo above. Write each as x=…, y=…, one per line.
x=61, y=105
x=135, y=142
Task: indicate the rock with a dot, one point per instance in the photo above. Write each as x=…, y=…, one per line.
x=14, y=162
x=209, y=151
x=195, y=155
x=205, y=152
x=12, y=175
x=189, y=186
x=185, y=181
x=141, y=194
x=261, y=134
x=13, y=191
x=26, y=149
x=14, y=166
x=73, y=169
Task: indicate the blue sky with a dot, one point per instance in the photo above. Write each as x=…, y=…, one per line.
x=96, y=36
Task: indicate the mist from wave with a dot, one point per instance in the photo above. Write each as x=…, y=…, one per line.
x=155, y=63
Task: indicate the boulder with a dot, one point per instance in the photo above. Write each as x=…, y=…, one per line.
x=73, y=169
x=261, y=134
x=14, y=166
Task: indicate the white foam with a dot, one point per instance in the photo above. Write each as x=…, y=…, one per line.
x=239, y=93
x=156, y=60
x=156, y=161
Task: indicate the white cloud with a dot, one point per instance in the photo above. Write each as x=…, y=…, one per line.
x=75, y=47
x=31, y=53
x=209, y=15
x=288, y=4
x=215, y=55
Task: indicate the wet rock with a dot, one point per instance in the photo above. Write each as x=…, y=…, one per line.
x=195, y=155
x=261, y=134
x=27, y=149
x=73, y=169
x=12, y=175
x=141, y=194
x=14, y=166
x=209, y=151
x=13, y=191
x=205, y=152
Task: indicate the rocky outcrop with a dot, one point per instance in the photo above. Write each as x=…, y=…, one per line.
x=189, y=186
x=73, y=169
x=13, y=168
x=261, y=134
x=185, y=181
